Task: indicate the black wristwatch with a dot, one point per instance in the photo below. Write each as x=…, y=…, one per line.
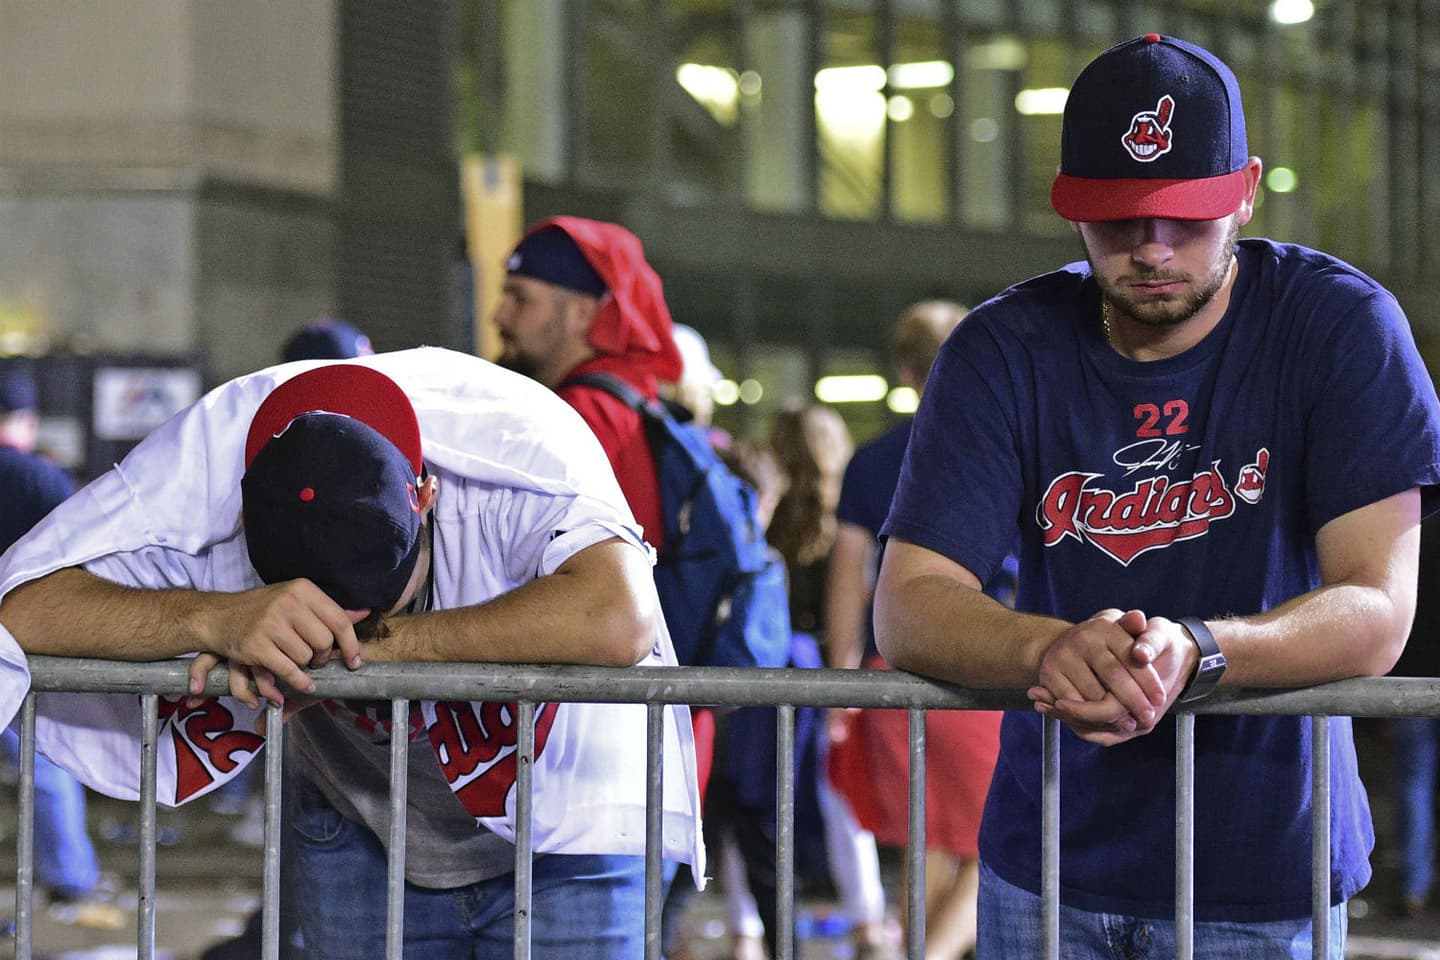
x=1212, y=662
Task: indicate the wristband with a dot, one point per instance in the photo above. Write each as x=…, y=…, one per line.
x=1211, y=665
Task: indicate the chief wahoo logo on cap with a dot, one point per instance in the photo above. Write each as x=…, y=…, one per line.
x=1149, y=134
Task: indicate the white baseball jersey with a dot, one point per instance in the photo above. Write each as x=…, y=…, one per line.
x=524, y=485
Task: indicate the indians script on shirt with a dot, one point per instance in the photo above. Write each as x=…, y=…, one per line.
x=476, y=743
x=1147, y=505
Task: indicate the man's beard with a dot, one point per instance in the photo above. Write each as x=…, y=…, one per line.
x=519, y=363
x=1171, y=313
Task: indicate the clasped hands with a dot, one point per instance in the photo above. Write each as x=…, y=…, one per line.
x=1112, y=677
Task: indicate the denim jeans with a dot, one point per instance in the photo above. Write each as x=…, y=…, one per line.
x=1415, y=743
x=582, y=906
x=64, y=856
x=1011, y=929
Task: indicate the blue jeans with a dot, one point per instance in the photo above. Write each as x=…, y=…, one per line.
x=590, y=907
x=64, y=856
x=1416, y=745
x=1011, y=927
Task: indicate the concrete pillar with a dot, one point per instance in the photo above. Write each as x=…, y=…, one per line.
x=167, y=175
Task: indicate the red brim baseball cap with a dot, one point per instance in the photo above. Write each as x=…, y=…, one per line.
x=1153, y=128
x=350, y=389
x=1092, y=198
x=330, y=491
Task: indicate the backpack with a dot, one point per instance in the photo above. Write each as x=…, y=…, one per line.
x=722, y=591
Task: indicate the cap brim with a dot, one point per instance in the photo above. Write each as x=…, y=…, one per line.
x=1089, y=199
x=344, y=388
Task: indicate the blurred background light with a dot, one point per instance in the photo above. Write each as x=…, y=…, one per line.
x=851, y=388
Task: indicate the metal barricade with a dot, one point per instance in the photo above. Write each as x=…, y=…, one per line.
x=783, y=689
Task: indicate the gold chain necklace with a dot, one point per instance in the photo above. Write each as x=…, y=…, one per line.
x=1105, y=319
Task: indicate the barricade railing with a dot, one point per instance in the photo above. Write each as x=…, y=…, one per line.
x=656, y=687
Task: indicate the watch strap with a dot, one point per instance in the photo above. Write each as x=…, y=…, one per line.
x=1211, y=665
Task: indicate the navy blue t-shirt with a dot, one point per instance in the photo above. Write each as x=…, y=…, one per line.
x=30, y=487
x=1188, y=486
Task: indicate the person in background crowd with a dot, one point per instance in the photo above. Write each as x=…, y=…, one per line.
x=740, y=802
x=814, y=446
x=326, y=338
x=870, y=757
x=1214, y=454
x=580, y=298
x=66, y=864
x=695, y=391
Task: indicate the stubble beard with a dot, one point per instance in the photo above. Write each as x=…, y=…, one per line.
x=515, y=361
x=1170, y=313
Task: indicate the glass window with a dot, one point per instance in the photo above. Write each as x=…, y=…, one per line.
x=920, y=106
x=850, y=115
x=1045, y=79
x=704, y=121
x=989, y=66
x=533, y=75
x=982, y=13
x=617, y=93
x=777, y=91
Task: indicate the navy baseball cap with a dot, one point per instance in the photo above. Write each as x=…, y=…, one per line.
x=332, y=466
x=327, y=339
x=552, y=255
x=1153, y=128
x=17, y=387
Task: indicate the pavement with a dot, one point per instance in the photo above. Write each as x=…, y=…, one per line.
x=207, y=884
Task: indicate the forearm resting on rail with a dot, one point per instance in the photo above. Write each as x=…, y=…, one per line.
x=931, y=618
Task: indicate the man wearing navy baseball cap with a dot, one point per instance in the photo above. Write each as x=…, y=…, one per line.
x=1212, y=455
x=423, y=505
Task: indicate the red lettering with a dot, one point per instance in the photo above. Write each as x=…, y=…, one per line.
x=1178, y=411
x=1175, y=413
x=485, y=795
x=1149, y=416
x=1057, y=511
x=205, y=740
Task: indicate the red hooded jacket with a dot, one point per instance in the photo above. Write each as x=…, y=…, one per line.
x=632, y=338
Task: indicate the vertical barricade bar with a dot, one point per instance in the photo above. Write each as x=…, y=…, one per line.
x=1050, y=838
x=654, y=825
x=1184, y=836
x=1320, y=837
x=399, y=799
x=915, y=846
x=145, y=911
x=785, y=832
x=270, y=866
x=25, y=842
x=524, y=826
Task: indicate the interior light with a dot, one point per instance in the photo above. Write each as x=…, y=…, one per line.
x=717, y=89
x=921, y=74
x=751, y=391
x=726, y=393
x=1291, y=11
x=1281, y=180
x=854, y=388
x=1041, y=101
x=869, y=78
x=984, y=129
x=903, y=400
x=942, y=105
x=900, y=108
x=750, y=83
x=1002, y=53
